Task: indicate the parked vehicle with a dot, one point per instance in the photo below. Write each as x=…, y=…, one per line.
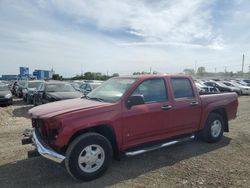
x=222, y=87
x=245, y=90
x=130, y=115
x=5, y=95
x=19, y=88
x=204, y=89
x=54, y=91
x=29, y=89
x=13, y=87
x=76, y=86
x=87, y=87
x=244, y=82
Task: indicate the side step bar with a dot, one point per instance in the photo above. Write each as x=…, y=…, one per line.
x=158, y=146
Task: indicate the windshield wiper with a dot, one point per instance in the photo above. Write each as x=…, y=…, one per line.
x=95, y=98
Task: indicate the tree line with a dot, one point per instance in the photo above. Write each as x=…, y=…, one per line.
x=86, y=76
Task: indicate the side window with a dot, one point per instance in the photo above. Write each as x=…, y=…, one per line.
x=39, y=88
x=88, y=88
x=83, y=86
x=182, y=88
x=153, y=90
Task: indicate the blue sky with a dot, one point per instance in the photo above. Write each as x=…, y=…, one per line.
x=123, y=36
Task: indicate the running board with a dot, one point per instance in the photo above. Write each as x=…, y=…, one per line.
x=158, y=146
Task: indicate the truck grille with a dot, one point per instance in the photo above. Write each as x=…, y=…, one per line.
x=39, y=125
x=36, y=123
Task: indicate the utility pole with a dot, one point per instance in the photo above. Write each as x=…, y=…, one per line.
x=195, y=65
x=225, y=69
x=214, y=70
x=243, y=59
x=150, y=70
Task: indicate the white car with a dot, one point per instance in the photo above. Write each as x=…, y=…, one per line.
x=244, y=89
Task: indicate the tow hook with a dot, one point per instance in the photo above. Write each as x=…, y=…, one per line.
x=27, y=133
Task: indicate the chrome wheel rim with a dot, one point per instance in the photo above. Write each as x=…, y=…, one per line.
x=216, y=128
x=91, y=158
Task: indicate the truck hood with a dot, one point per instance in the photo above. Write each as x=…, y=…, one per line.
x=61, y=107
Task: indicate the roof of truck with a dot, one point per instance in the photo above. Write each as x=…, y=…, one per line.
x=145, y=76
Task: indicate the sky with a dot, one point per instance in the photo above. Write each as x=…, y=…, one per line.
x=124, y=36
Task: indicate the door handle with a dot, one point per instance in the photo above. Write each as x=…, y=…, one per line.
x=194, y=103
x=166, y=107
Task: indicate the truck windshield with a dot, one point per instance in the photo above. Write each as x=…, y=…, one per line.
x=111, y=90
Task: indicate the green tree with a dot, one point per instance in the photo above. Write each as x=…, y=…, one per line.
x=115, y=75
x=189, y=71
x=57, y=77
x=201, y=71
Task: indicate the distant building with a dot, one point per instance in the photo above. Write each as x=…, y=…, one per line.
x=43, y=74
x=24, y=71
x=9, y=77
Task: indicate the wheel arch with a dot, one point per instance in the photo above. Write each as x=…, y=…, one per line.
x=222, y=112
x=105, y=130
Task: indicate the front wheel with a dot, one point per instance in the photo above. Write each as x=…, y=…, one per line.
x=88, y=156
x=213, y=129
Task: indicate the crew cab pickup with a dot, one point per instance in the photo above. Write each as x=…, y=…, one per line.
x=127, y=115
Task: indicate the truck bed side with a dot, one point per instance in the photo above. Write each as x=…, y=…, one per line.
x=226, y=102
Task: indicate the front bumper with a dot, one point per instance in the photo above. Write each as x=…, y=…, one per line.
x=44, y=150
x=6, y=100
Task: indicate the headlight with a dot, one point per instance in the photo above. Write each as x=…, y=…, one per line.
x=25, y=91
x=8, y=96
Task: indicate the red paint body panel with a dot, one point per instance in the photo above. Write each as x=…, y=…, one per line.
x=141, y=123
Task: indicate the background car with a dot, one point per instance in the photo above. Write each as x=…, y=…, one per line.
x=19, y=88
x=204, y=89
x=13, y=87
x=5, y=95
x=87, y=87
x=29, y=89
x=245, y=90
x=54, y=91
x=222, y=87
x=76, y=86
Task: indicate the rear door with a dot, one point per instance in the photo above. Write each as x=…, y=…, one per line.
x=186, y=106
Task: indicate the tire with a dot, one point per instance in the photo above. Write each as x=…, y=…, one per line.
x=28, y=100
x=25, y=98
x=34, y=101
x=214, y=127
x=88, y=142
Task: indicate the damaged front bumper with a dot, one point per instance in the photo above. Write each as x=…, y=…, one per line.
x=42, y=148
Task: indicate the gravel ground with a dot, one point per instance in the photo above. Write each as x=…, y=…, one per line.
x=192, y=164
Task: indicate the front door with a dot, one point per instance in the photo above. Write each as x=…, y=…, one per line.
x=143, y=122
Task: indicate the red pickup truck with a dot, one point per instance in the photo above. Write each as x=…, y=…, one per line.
x=127, y=115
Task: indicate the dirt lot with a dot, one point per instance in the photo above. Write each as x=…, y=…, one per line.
x=193, y=164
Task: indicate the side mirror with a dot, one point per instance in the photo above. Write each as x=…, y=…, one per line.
x=134, y=100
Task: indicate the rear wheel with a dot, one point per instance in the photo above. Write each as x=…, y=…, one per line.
x=214, y=127
x=88, y=156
